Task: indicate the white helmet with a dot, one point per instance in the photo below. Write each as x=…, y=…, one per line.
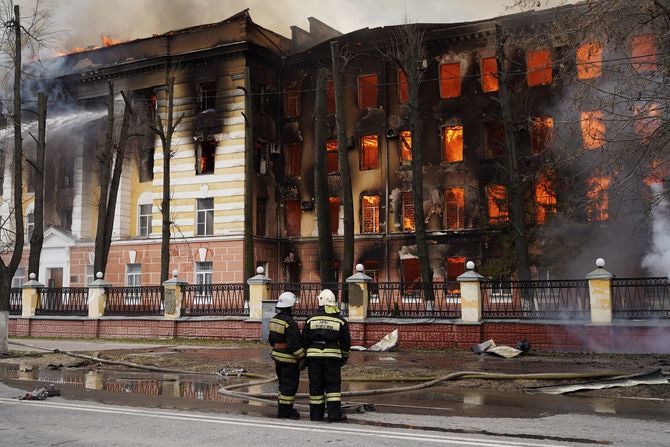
x=327, y=298
x=286, y=299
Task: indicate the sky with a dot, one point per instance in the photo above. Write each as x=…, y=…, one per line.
x=80, y=23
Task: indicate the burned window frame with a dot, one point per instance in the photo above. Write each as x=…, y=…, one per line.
x=293, y=102
x=372, y=210
x=485, y=74
x=292, y=206
x=293, y=160
x=403, y=87
x=538, y=75
x=368, y=159
x=645, y=63
x=404, y=147
x=445, y=152
x=332, y=160
x=541, y=133
x=362, y=90
x=589, y=60
x=205, y=156
x=407, y=211
x=494, y=147
x=499, y=201
x=460, y=208
x=206, y=91
x=544, y=197
x=593, y=129
x=597, y=205
x=450, y=82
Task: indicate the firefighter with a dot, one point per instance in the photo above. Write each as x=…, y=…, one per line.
x=326, y=337
x=288, y=354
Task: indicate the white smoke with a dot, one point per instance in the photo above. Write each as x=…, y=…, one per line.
x=658, y=261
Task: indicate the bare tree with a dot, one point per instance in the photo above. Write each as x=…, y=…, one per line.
x=37, y=237
x=111, y=160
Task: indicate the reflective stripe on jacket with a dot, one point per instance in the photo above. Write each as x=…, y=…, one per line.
x=285, y=338
x=326, y=335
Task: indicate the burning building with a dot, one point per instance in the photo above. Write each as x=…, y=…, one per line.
x=465, y=135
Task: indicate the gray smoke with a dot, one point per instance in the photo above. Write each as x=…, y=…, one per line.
x=657, y=262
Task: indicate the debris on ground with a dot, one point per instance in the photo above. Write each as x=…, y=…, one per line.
x=508, y=352
x=226, y=372
x=388, y=343
x=652, y=377
x=41, y=393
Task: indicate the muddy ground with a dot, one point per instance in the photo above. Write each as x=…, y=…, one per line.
x=372, y=366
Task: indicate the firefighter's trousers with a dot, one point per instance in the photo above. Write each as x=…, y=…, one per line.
x=325, y=384
x=288, y=375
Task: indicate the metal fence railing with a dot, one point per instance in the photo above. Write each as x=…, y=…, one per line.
x=15, y=301
x=307, y=294
x=636, y=298
x=396, y=299
x=63, y=301
x=215, y=299
x=135, y=301
x=544, y=299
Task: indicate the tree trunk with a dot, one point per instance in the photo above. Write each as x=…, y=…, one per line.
x=166, y=140
x=326, y=254
x=37, y=238
x=249, y=174
x=345, y=172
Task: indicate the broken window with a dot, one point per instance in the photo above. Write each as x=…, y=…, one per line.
x=454, y=208
x=369, y=152
x=452, y=143
x=596, y=193
x=495, y=139
x=293, y=156
x=545, y=199
x=370, y=213
x=147, y=142
x=30, y=225
x=334, y=203
x=330, y=96
x=206, y=96
x=144, y=220
x=261, y=216
x=589, y=60
x=205, y=153
x=408, y=211
x=450, y=80
x=497, y=203
x=332, y=162
x=489, y=69
x=538, y=66
x=593, y=129
x=406, y=145
x=66, y=172
x=403, y=93
x=647, y=119
x=367, y=91
x=204, y=217
x=455, y=267
x=541, y=133
x=643, y=53
x=292, y=102
x=411, y=273
x=292, y=217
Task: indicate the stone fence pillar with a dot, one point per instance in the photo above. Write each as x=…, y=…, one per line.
x=258, y=292
x=600, y=293
x=172, y=298
x=359, y=295
x=97, y=296
x=471, y=294
x=30, y=296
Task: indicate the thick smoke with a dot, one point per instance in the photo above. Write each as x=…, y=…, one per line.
x=658, y=261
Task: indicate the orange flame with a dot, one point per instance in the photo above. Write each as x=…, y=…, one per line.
x=452, y=140
x=589, y=60
x=545, y=199
x=593, y=129
x=597, y=208
x=498, y=211
x=108, y=41
x=406, y=145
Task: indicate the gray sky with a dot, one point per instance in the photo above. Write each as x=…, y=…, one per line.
x=83, y=21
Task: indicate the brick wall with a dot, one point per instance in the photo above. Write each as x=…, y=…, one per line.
x=619, y=337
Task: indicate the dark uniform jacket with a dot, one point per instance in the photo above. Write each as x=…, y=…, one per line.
x=285, y=338
x=326, y=335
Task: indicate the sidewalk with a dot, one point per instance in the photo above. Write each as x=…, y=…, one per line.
x=74, y=345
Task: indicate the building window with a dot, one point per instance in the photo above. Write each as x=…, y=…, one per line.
x=330, y=96
x=596, y=193
x=293, y=156
x=408, y=211
x=403, y=93
x=589, y=60
x=369, y=155
x=450, y=80
x=205, y=152
x=261, y=216
x=334, y=203
x=452, y=143
x=292, y=104
x=367, y=91
x=538, y=66
x=643, y=53
x=495, y=140
x=545, y=199
x=206, y=96
x=292, y=218
x=454, y=208
x=489, y=68
x=541, y=133
x=203, y=272
x=647, y=119
x=411, y=277
x=455, y=267
x=332, y=162
x=405, y=145
x=19, y=277
x=66, y=172
x=30, y=225
x=593, y=129
x=370, y=213
x=133, y=275
x=145, y=216
x=90, y=274
x=497, y=203
x=205, y=217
